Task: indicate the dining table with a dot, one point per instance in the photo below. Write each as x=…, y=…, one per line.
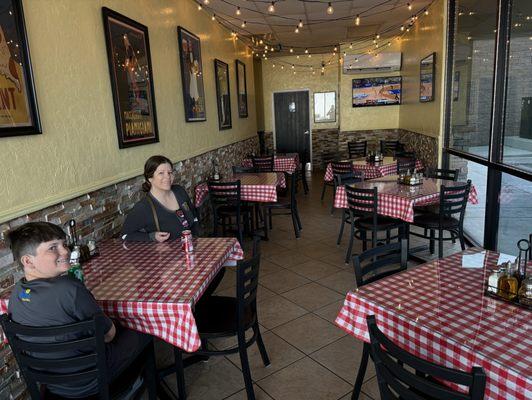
x=397, y=200
x=287, y=162
x=371, y=170
x=439, y=312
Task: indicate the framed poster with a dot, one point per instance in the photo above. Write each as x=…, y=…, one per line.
x=191, y=75
x=241, y=89
x=19, y=114
x=325, y=107
x=223, y=97
x=128, y=55
x=426, y=78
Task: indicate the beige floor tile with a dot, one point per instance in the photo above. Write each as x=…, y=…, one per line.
x=304, y=380
x=371, y=388
x=342, y=282
x=262, y=292
x=242, y=395
x=268, y=267
x=223, y=343
x=312, y=296
x=282, y=281
x=362, y=397
x=343, y=358
x=331, y=311
x=316, y=250
x=309, y=333
x=228, y=281
x=276, y=310
x=212, y=380
x=279, y=351
x=288, y=258
x=314, y=269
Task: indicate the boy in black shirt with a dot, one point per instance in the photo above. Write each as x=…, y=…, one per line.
x=47, y=296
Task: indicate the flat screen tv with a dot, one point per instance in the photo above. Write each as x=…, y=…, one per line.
x=369, y=92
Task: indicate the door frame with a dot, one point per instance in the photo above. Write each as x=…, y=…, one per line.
x=309, y=119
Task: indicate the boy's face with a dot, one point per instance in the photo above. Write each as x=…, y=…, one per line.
x=51, y=259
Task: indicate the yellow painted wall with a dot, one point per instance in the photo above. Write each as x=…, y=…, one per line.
x=425, y=37
x=277, y=79
x=78, y=150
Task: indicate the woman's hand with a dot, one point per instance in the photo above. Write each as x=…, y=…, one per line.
x=161, y=236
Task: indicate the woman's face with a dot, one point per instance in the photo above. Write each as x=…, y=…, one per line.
x=163, y=177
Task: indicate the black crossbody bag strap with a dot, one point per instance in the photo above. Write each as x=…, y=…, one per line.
x=155, y=218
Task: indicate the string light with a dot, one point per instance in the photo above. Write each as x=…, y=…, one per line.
x=213, y=17
x=282, y=66
x=238, y=12
x=357, y=20
x=199, y=7
x=409, y=6
x=271, y=7
x=330, y=9
x=402, y=28
x=291, y=50
x=206, y=2
x=426, y=12
x=243, y=24
x=293, y=66
x=351, y=46
x=306, y=51
x=297, y=56
x=310, y=56
x=297, y=29
x=335, y=48
x=378, y=36
x=300, y=24
x=273, y=65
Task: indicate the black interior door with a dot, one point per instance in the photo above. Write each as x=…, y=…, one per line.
x=292, y=130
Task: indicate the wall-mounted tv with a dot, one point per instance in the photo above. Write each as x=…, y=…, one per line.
x=369, y=92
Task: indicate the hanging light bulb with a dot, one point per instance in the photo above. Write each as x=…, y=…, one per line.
x=206, y=2
x=291, y=50
x=389, y=43
x=273, y=65
x=297, y=56
x=238, y=12
x=297, y=29
x=351, y=46
x=330, y=9
x=402, y=28
x=357, y=20
x=335, y=48
x=199, y=7
x=378, y=36
x=409, y=6
x=271, y=7
x=243, y=24
x=213, y=17
x=300, y=23
x=310, y=55
x=261, y=41
x=306, y=51
x=294, y=72
x=426, y=12
x=293, y=66
x=345, y=53
x=374, y=41
x=282, y=66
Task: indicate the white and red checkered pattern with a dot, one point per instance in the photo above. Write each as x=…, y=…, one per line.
x=398, y=201
x=281, y=163
x=260, y=187
x=150, y=287
x=388, y=166
x=439, y=312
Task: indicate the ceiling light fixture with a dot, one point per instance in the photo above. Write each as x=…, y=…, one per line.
x=238, y=12
x=330, y=9
x=271, y=7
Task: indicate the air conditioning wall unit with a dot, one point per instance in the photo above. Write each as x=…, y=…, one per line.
x=368, y=63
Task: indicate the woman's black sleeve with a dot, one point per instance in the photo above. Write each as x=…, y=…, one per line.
x=135, y=227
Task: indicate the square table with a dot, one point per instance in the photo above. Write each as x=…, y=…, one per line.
x=439, y=312
x=388, y=166
x=288, y=163
x=149, y=287
x=398, y=201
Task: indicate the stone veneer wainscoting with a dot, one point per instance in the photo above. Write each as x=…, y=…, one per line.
x=99, y=215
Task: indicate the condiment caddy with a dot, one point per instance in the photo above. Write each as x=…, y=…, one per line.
x=376, y=157
x=410, y=179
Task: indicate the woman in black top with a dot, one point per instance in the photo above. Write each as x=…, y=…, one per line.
x=165, y=211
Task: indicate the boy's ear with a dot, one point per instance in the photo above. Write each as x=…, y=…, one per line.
x=27, y=261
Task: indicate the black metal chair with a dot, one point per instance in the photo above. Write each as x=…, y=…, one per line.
x=405, y=164
x=301, y=171
x=362, y=205
x=390, y=147
x=226, y=204
x=286, y=203
x=357, y=149
x=423, y=379
x=238, y=169
x=443, y=174
x=326, y=159
x=339, y=168
x=33, y=346
x=263, y=164
x=453, y=201
x=379, y=262
x=347, y=179
x=220, y=316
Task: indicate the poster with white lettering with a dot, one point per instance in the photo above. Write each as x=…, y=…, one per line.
x=128, y=53
x=18, y=107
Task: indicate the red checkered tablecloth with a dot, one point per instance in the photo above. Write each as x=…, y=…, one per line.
x=281, y=163
x=259, y=187
x=388, y=166
x=398, y=201
x=150, y=287
x=439, y=312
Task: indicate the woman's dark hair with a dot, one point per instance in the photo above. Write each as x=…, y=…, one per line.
x=149, y=169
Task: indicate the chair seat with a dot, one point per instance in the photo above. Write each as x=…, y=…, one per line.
x=218, y=315
x=282, y=202
x=383, y=223
x=434, y=209
x=231, y=210
x=432, y=221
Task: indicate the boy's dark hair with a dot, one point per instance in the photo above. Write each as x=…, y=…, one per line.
x=26, y=238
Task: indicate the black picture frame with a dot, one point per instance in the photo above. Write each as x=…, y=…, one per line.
x=323, y=120
x=427, y=73
x=241, y=95
x=223, y=94
x=130, y=69
x=191, y=76
x=19, y=113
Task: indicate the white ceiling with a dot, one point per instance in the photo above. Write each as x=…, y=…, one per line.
x=382, y=17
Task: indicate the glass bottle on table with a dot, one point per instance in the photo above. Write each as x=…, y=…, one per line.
x=507, y=285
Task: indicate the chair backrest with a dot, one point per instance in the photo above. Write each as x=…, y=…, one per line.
x=328, y=157
x=224, y=193
x=397, y=382
x=390, y=147
x=453, y=200
x=444, y=174
x=341, y=167
x=247, y=281
x=238, y=169
x=362, y=202
x=380, y=261
x=357, y=149
x=349, y=177
x=37, y=349
x=263, y=164
x=405, y=164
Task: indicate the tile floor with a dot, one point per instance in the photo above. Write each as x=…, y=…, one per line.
x=301, y=288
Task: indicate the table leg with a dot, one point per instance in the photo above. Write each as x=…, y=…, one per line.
x=361, y=372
